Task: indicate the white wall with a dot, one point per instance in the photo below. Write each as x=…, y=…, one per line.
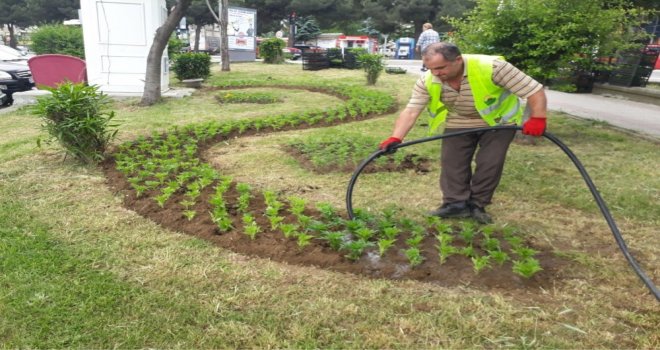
x=118, y=35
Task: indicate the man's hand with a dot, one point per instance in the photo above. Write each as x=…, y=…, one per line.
x=388, y=144
x=535, y=126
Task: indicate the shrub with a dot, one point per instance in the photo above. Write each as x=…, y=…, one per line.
x=192, y=65
x=373, y=65
x=60, y=39
x=351, y=55
x=76, y=116
x=174, y=46
x=271, y=50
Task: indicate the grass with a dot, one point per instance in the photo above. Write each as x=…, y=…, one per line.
x=79, y=270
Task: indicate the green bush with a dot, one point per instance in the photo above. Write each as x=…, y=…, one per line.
x=60, y=39
x=351, y=55
x=192, y=65
x=271, y=50
x=373, y=65
x=174, y=46
x=76, y=116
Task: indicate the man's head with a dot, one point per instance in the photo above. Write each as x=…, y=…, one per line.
x=444, y=60
x=426, y=26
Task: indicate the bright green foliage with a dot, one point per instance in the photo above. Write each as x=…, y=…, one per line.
x=60, y=39
x=346, y=150
x=247, y=97
x=76, y=116
x=192, y=65
x=373, y=65
x=271, y=50
x=526, y=267
x=542, y=37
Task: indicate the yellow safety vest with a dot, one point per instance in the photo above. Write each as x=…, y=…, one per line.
x=495, y=104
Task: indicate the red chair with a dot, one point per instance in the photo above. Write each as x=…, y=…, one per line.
x=53, y=69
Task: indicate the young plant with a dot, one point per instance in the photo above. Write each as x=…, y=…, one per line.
x=414, y=256
x=244, y=196
x=356, y=248
x=384, y=244
x=303, y=239
x=527, y=267
x=335, y=238
x=250, y=227
x=445, y=248
x=480, y=262
x=289, y=230
x=498, y=256
x=189, y=214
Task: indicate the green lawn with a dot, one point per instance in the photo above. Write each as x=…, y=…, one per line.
x=80, y=270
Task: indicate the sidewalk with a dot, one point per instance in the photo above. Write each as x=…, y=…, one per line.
x=642, y=118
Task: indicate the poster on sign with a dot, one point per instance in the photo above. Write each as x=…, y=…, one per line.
x=241, y=28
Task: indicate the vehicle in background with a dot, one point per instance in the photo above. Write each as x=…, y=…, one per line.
x=8, y=51
x=309, y=48
x=292, y=53
x=3, y=99
x=14, y=77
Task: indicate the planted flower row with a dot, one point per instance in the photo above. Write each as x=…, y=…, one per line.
x=162, y=165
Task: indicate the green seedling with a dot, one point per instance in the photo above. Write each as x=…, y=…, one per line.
x=499, y=256
x=481, y=262
x=527, y=267
x=364, y=233
x=335, y=238
x=384, y=244
x=414, y=256
x=356, y=248
x=525, y=252
x=304, y=239
x=289, y=230
x=189, y=214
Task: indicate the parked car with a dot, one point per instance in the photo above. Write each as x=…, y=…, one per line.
x=3, y=99
x=14, y=77
x=294, y=52
x=8, y=53
x=309, y=48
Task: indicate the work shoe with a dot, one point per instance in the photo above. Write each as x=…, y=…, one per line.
x=451, y=210
x=479, y=214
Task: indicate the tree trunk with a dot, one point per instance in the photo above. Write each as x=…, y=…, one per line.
x=198, y=32
x=222, y=21
x=224, y=41
x=152, y=82
x=12, y=36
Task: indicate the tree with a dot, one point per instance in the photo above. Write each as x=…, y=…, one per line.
x=22, y=13
x=152, y=81
x=306, y=29
x=543, y=37
x=223, y=21
x=200, y=15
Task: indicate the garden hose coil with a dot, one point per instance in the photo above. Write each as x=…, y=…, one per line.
x=599, y=200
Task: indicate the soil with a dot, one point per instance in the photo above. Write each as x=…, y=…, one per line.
x=410, y=161
x=456, y=271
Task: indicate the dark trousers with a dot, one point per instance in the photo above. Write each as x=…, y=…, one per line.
x=457, y=180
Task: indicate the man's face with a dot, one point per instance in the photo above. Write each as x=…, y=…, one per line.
x=442, y=68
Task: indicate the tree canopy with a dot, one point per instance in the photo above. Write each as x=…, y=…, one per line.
x=25, y=13
x=544, y=36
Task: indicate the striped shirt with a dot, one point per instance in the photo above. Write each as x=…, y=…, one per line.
x=460, y=104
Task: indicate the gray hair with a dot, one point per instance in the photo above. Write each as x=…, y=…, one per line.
x=448, y=50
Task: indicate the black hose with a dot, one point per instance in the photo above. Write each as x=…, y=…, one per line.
x=599, y=200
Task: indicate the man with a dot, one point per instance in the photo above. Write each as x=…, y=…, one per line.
x=428, y=37
x=467, y=92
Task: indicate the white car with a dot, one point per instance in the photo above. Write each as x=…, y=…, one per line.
x=10, y=54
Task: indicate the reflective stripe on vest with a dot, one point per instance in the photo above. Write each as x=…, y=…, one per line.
x=495, y=104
